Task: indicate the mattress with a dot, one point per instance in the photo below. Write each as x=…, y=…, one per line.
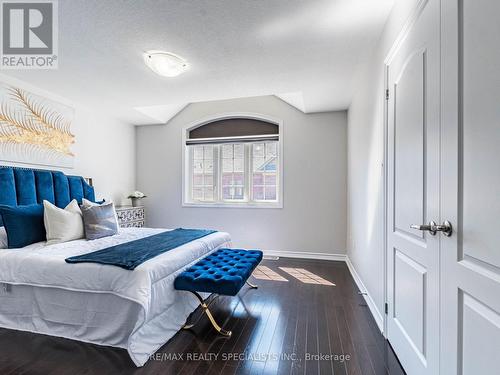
x=136, y=310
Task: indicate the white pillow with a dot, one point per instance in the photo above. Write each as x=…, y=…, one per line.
x=4, y=244
x=63, y=225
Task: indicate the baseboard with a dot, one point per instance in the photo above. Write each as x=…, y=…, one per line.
x=337, y=257
x=368, y=298
x=305, y=255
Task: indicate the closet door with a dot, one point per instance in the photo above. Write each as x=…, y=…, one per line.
x=413, y=195
x=470, y=191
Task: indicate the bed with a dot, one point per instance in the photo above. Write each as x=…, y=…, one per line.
x=135, y=310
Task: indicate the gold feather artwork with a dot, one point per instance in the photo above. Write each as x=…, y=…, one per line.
x=33, y=129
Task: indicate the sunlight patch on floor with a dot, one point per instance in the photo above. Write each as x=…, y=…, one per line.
x=265, y=273
x=305, y=276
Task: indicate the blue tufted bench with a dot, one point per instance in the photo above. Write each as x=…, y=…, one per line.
x=223, y=272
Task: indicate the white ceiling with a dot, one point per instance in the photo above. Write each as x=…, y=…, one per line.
x=305, y=51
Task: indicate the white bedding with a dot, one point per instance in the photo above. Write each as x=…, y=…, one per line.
x=49, y=296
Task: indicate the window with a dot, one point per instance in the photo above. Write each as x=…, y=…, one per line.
x=203, y=173
x=235, y=170
x=264, y=171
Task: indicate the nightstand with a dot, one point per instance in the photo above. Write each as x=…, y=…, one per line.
x=129, y=216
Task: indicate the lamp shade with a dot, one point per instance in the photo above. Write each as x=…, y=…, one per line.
x=165, y=64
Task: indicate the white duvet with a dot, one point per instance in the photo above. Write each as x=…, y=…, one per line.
x=162, y=309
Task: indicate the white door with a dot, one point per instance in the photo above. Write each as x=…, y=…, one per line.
x=413, y=78
x=470, y=193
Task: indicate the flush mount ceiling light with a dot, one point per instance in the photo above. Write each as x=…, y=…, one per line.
x=165, y=64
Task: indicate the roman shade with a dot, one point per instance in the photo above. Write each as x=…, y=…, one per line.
x=233, y=130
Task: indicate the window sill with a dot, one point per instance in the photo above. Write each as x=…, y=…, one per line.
x=234, y=205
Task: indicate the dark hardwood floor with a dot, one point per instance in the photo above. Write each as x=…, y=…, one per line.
x=284, y=327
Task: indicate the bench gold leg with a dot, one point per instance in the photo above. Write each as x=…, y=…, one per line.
x=210, y=317
x=189, y=326
x=251, y=285
x=214, y=323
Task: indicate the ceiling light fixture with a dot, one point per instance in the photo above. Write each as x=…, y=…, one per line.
x=165, y=64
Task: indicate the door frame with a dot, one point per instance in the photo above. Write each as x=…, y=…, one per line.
x=407, y=27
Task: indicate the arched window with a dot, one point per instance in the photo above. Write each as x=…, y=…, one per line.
x=233, y=161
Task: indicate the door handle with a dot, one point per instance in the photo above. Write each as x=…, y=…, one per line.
x=433, y=228
x=446, y=228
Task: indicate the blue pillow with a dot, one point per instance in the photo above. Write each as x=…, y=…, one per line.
x=23, y=224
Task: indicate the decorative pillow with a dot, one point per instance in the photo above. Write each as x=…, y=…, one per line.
x=3, y=238
x=99, y=220
x=86, y=202
x=63, y=225
x=23, y=224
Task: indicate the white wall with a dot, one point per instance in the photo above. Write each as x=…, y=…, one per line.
x=365, y=246
x=313, y=218
x=104, y=148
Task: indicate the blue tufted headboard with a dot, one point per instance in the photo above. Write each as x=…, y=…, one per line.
x=23, y=186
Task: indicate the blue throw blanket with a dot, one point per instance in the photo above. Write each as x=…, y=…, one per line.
x=129, y=255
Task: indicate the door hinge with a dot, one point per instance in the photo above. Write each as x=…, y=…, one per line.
x=386, y=94
x=386, y=308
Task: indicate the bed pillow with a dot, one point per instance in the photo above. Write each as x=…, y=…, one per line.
x=3, y=238
x=23, y=224
x=63, y=225
x=99, y=220
x=86, y=202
